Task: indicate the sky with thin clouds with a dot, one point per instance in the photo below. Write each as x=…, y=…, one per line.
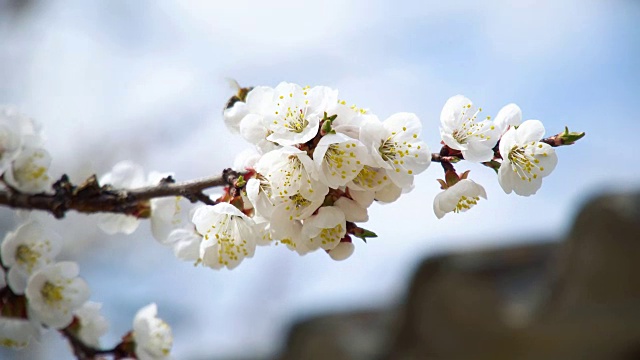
x=145, y=81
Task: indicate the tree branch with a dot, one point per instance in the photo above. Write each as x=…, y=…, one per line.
x=90, y=197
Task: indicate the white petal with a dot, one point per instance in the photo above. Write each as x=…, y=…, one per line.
x=363, y=198
x=17, y=280
x=342, y=251
x=547, y=157
x=509, y=115
x=352, y=210
x=400, y=178
x=233, y=115
x=185, y=244
x=246, y=159
x=125, y=174
x=117, y=223
x=260, y=100
x=253, y=129
x=404, y=124
x=526, y=187
x=389, y=193
x=506, y=176
x=478, y=152
x=507, y=142
x=530, y=130
x=450, y=117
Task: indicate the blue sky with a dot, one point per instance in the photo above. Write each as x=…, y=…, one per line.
x=145, y=81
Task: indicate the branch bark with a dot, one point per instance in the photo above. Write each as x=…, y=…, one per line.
x=90, y=197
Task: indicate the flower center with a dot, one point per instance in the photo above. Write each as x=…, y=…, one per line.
x=525, y=165
x=370, y=178
x=27, y=256
x=465, y=203
x=31, y=171
x=295, y=121
x=331, y=235
x=470, y=128
x=334, y=157
x=299, y=201
x=387, y=149
x=52, y=293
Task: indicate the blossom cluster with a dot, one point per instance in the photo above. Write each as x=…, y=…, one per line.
x=41, y=293
x=38, y=292
x=54, y=293
x=318, y=164
x=515, y=146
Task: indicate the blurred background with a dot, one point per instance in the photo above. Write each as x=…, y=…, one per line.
x=145, y=81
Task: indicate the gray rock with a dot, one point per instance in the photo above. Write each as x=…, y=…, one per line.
x=575, y=299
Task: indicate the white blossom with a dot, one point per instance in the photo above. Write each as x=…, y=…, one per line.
x=297, y=113
x=171, y=223
x=27, y=249
x=253, y=126
x=29, y=171
x=16, y=333
x=290, y=171
x=54, y=292
x=526, y=160
x=92, y=324
x=168, y=214
x=325, y=229
x=460, y=197
x=395, y=146
x=127, y=175
x=16, y=130
x=298, y=206
x=461, y=130
x=152, y=336
x=260, y=195
x=339, y=159
x=228, y=235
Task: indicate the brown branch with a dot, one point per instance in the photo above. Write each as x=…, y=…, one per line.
x=81, y=350
x=90, y=197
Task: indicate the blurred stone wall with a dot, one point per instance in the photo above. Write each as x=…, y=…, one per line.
x=574, y=299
